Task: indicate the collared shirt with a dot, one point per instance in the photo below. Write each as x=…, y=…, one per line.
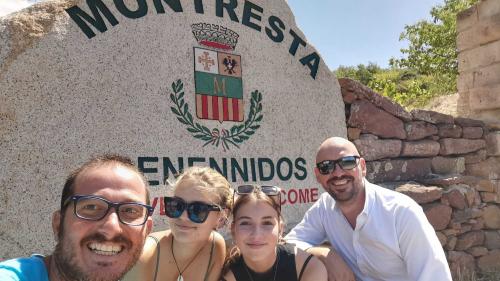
x=392, y=240
x=24, y=269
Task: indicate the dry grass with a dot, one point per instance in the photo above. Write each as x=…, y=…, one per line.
x=485, y=276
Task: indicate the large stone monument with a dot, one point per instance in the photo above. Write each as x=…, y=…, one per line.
x=231, y=84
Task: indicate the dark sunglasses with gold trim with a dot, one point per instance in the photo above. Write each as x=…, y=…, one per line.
x=345, y=163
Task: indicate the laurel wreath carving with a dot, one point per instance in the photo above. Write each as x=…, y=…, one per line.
x=236, y=135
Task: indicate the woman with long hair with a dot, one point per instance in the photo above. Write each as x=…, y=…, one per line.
x=258, y=254
x=191, y=249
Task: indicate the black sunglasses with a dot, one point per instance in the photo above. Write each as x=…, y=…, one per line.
x=269, y=190
x=197, y=211
x=345, y=163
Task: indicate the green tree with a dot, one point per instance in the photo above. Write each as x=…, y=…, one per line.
x=432, y=45
x=362, y=73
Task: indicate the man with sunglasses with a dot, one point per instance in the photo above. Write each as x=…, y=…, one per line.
x=379, y=233
x=100, y=229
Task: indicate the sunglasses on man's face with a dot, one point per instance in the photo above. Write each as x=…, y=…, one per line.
x=197, y=211
x=345, y=163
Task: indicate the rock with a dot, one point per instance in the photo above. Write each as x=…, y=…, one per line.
x=398, y=170
x=369, y=118
x=472, y=132
x=467, y=122
x=477, y=251
x=477, y=224
x=419, y=129
x=455, y=198
x=447, y=180
x=490, y=197
x=493, y=143
x=360, y=91
x=439, y=215
x=374, y=149
x=469, y=239
x=489, y=262
x=449, y=131
x=422, y=148
x=432, y=117
x=461, y=264
x=448, y=165
x=488, y=169
x=487, y=185
x=442, y=238
x=461, y=216
x=421, y=194
x=460, y=146
x=452, y=242
x=475, y=157
x=492, y=239
x=353, y=133
x=491, y=215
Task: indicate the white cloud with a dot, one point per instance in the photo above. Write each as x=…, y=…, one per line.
x=10, y=6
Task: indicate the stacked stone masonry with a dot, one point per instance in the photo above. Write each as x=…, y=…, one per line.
x=478, y=43
x=450, y=166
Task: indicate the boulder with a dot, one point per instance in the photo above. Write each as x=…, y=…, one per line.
x=491, y=215
x=432, y=116
x=477, y=251
x=439, y=215
x=455, y=198
x=493, y=143
x=353, y=133
x=417, y=130
x=492, y=239
x=448, y=165
x=452, y=242
x=460, y=146
x=461, y=264
x=374, y=149
x=475, y=157
x=421, y=194
x=472, y=132
x=461, y=216
x=447, y=180
x=354, y=88
x=398, y=170
x=369, y=118
x=422, y=148
x=467, y=122
x=488, y=169
x=489, y=262
x=469, y=239
x=449, y=131
x=442, y=238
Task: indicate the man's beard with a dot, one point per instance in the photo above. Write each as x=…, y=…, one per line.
x=67, y=264
x=348, y=194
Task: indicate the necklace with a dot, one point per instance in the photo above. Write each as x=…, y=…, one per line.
x=180, y=278
x=275, y=268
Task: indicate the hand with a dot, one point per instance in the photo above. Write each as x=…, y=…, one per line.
x=337, y=268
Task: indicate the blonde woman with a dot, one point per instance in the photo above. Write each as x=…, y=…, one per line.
x=191, y=249
x=256, y=229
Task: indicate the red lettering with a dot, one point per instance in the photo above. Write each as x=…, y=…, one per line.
x=304, y=195
x=294, y=200
x=162, y=205
x=283, y=197
x=314, y=194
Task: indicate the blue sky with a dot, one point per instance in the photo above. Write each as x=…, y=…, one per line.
x=352, y=32
x=345, y=32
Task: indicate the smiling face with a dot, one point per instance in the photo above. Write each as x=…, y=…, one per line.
x=343, y=185
x=106, y=249
x=256, y=230
x=185, y=230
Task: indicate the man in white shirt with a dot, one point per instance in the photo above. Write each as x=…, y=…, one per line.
x=379, y=233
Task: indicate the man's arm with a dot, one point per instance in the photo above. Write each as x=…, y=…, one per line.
x=336, y=267
x=309, y=233
x=420, y=247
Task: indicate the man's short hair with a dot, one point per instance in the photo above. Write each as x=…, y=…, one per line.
x=98, y=161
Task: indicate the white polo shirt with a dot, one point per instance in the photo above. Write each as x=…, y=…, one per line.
x=392, y=241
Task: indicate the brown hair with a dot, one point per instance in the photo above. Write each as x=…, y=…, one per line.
x=241, y=200
x=102, y=160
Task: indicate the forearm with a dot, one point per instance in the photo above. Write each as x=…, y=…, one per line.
x=336, y=267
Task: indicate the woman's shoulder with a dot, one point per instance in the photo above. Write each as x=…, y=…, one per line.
x=313, y=270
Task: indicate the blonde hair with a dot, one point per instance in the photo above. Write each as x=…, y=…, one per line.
x=207, y=180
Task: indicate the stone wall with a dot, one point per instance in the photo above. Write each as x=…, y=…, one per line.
x=450, y=166
x=478, y=43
